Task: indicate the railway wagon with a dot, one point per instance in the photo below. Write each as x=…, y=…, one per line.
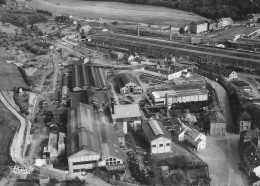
x=160, y=48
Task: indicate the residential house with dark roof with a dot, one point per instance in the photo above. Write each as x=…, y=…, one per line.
x=196, y=139
x=197, y=27
x=229, y=75
x=244, y=121
x=157, y=136
x=166, y=73
x=217, y=123
x=128, y=83
x=212, y=25
x=255, y=18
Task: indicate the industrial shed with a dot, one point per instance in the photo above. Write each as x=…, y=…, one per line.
x=127, y=83
x=83, y=149
x=159, y=139
x=91, y=142
x=168, y=74
x=183, y=93
x=84, y=76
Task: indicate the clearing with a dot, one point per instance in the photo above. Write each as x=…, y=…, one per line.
x=10, y=76
x=116, y=10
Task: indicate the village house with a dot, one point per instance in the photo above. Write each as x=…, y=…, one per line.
x=179, y=134
x=224, y=22
x=198, y=27
x=230, y=75
x=213, y=25
x=217, y=123
x=196, y=139
x=244, y=121
x=255, y=18
x=156, y=135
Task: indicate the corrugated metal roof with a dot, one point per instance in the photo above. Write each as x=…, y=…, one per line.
x=81, y=130
x=149, y=132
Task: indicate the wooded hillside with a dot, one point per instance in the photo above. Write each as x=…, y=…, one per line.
x=214, y=9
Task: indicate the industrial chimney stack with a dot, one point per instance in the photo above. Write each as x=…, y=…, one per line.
x=138, y=30
x=112, y=106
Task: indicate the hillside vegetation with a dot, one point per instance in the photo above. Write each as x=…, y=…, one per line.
x=213, y=9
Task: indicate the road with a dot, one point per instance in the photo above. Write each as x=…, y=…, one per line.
x=248, y=78
x=221, y=153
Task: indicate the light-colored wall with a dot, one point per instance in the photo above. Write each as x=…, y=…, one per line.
x=103, y=162
x=158, y=149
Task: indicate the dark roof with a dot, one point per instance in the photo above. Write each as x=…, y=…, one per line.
x=81, y=130
x=85, y=75
x=154, y=129
x=198, y=22
x=188, y=86
x=217, y=117
x=193, y=133
x=123, y=79
x=249, y=134
x=226, y=72
x=65, y=81
x=245, y=116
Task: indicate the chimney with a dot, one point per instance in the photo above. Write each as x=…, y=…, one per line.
x=138, y=30
x=170, y=33
x=112, y=106
x=166, y=104
x=258, y=142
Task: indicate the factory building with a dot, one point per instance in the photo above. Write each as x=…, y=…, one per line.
x=91, y=142
x=197, y=27
x=168, y=74
x=158, y=138
x=129, y=114
x=183, y=93
x=84, y=76
x=128, y=84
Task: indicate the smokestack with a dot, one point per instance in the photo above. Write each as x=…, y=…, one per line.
x=138, y=30
x=170, y=33
x=166, y=103
x=112, y=106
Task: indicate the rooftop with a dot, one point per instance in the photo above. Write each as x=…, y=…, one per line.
x=163, y=71
x=193, y=133
x=217, y=117
x=126, y=111
x=154, y=129
x=125, y=78
x=245, y=116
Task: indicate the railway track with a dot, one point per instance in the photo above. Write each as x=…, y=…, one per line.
x=159, y=47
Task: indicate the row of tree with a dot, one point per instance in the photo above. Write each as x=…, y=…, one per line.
x=213, y=9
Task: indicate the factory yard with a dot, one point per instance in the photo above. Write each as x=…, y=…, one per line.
x=114, y=10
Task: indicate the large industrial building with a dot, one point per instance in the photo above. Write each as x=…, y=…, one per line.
x=168, y=74
x=170, y=94
x=158, y=138
x=84, y=76
x=91, y=142
x=127, y=83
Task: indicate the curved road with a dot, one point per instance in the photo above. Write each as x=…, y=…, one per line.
x=221, y=153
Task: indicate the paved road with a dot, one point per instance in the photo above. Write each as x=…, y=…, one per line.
x=221, y=153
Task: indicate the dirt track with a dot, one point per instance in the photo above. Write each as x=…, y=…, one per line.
x=114, y=10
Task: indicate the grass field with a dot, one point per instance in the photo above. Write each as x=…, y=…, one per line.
x=8, y=124
x=115, y=10
x=10, y=76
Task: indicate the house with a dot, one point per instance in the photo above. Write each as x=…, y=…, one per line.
x=250, y=155
x=230, y=75
x=255, y=18
x=217, y=123
x=128, y=83
x=212, y=25
x=168, y=74
x=224, y=22
x=129, y=114
x=180, y=133
x=156, y=135
x=244, y=121
x=183, y=93
x=248, y=135
x=86, y=28
x=198, y=27
x=196, y=139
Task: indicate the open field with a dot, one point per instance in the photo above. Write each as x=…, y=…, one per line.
x=8, y=125
x=10, y=76
x=115, y=10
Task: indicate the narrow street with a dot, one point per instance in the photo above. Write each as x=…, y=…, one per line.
x=221, y=153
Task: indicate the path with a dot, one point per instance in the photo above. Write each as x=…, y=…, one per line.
x=221, y=153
